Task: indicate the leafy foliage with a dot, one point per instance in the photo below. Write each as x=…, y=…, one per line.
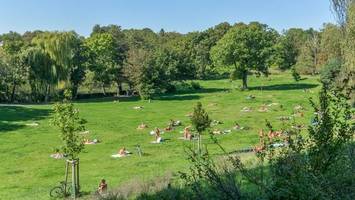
x=244, y=48
x=200, y=119
x=330, y=72
x=67, y=119
x=296, y=76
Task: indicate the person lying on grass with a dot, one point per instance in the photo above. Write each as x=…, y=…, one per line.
x=57, y=154
x=263, y=108
x=121, y=153
x=142, y=126
x=87, y=141
x=237, y=126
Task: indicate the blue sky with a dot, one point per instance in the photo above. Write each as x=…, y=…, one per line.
x=172, y=15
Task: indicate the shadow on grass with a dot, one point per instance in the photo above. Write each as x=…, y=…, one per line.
x=9, y=114
x=108, y=99
x=177, y=97
x=289, y=86
x=4, y=126
x=201, y=91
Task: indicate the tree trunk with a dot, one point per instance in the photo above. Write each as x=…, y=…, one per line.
x=245, y=80
x=103, y=89
x=199, y=143
x=119, y=88
x=74, y=91
x=13, y=92
x=46, y=98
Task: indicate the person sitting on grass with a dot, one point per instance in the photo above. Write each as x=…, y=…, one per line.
x=102, y=186
x=187, y=133
x=157, y=133
x=122, y=151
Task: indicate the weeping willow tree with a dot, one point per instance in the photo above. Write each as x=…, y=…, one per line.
x=42, y=72
x=51, y=58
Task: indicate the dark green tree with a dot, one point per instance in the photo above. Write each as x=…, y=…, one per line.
x=15, y=71
x=244, y=48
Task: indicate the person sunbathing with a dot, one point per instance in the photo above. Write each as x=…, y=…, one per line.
x=246, y=109
x=263, y=108
x=122, y=151
x=237, y=126
x=57, y=154
x=157, y=133
x=102, y=186
x=217, y=132
x=187, y=133
x=142, y=126
x=169, y=128
x=87, y=141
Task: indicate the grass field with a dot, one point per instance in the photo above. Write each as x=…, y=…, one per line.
x=27, y=171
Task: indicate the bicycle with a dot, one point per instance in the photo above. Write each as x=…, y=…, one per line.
x=59, y=191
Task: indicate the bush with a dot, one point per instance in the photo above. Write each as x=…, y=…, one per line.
x=195, y=85
x=330, y=72
x=183, y=86
x=296, y=76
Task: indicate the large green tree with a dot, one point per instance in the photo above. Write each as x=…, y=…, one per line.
x=199, y=46
x=109, y=49
x=14, y=71
x=244, y=48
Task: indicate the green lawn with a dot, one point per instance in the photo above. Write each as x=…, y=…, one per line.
x=27, y=171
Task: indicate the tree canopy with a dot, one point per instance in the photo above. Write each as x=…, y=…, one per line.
x=245, y=47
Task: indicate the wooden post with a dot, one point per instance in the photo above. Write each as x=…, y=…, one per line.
x=66, y=177
x=73, y=179
x=77, y=175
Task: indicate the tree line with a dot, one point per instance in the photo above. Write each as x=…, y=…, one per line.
x=38, y=66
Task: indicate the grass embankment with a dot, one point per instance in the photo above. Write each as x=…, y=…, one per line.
x=27, y=171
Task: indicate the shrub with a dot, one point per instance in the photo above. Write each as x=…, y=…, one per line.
x=209, y=180
x=330, y=72
x=195, y=85
x=296, y=76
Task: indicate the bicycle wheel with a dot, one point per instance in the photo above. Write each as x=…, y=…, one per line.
x=56, y=192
